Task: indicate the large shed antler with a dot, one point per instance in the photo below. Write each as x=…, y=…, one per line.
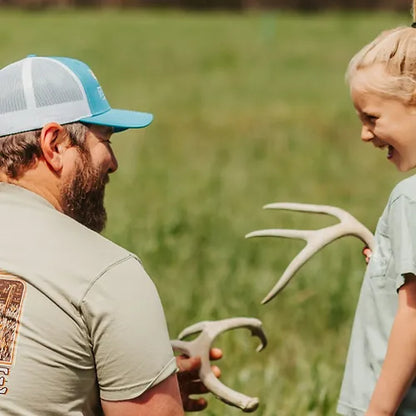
x=315, y=239
x=201, y=346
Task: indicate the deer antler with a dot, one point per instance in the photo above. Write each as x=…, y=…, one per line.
x=200, y=346
x=315, y=239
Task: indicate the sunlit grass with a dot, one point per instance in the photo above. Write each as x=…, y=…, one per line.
x=249, y=109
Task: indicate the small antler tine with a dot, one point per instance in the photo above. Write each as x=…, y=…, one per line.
x=297, y=206
x=182, y=347
x=259, y=333
x=193, y=329
x=214, y=328
x=280, y=232
x=256, y=328
x=253, y=324
x=304, y=255
x=228, y=395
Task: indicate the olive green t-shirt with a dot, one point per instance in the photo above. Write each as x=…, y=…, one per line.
x=80, y=319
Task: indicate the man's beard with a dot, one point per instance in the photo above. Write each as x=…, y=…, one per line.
x=82, y=197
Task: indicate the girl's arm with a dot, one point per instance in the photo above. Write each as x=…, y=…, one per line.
x=399, y=367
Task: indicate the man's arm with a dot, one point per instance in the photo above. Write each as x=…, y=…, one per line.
x=161, y=400
x=399, y=367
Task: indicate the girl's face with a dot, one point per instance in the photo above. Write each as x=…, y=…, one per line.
x=387, y=122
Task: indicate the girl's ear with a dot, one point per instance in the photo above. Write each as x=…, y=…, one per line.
x=54, y=141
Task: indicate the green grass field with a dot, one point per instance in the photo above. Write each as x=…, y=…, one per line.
x=249, y=109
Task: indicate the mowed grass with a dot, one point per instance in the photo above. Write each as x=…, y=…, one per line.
x=249, y=109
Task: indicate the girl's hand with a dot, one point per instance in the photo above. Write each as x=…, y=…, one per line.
x=367, y=253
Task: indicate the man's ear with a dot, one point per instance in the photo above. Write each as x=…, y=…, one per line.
x=54, y=141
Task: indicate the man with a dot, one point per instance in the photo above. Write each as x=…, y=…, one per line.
x=82, y=330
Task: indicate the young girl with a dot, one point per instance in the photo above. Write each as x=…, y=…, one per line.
x=381, y=362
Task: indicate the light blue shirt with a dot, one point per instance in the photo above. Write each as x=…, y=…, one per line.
x=394, y=255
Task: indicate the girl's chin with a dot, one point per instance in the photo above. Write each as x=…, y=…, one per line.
x=404, y=167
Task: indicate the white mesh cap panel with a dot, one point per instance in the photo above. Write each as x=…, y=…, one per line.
x=38, y=91
x=53, y=84
x=12, y=97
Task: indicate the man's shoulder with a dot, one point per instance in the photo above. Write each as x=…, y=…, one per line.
x=33, y=227
x=85, y=246
x=82, y=241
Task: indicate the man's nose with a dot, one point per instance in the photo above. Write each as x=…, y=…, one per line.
x=113, y=163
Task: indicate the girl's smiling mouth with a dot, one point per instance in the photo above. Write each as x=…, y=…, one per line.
x=390, y=151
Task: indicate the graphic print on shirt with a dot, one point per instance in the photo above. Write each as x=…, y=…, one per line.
x=12, y=293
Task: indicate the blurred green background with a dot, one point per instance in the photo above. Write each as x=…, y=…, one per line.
x=250, y=108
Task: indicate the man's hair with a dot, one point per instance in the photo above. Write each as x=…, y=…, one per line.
x=18, y=152
x=394, y=51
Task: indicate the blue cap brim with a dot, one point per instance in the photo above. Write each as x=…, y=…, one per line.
x=120, y=119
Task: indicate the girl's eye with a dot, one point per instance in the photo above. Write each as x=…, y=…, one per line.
x=370, y=118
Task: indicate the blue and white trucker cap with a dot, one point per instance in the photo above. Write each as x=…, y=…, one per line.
x=37, y=90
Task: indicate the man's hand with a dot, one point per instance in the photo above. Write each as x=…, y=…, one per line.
x=189, y=382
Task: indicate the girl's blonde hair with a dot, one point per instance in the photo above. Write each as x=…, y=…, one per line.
x=395, y=51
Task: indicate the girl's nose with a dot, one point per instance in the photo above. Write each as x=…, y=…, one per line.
x=366, y=134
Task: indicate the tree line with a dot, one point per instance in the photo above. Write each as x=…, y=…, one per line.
x=218, y=4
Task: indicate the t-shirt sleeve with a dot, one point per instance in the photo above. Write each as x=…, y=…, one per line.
x=402, y=224
x=128, y=332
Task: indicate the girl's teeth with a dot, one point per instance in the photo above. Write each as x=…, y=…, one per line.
x=390, y=152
